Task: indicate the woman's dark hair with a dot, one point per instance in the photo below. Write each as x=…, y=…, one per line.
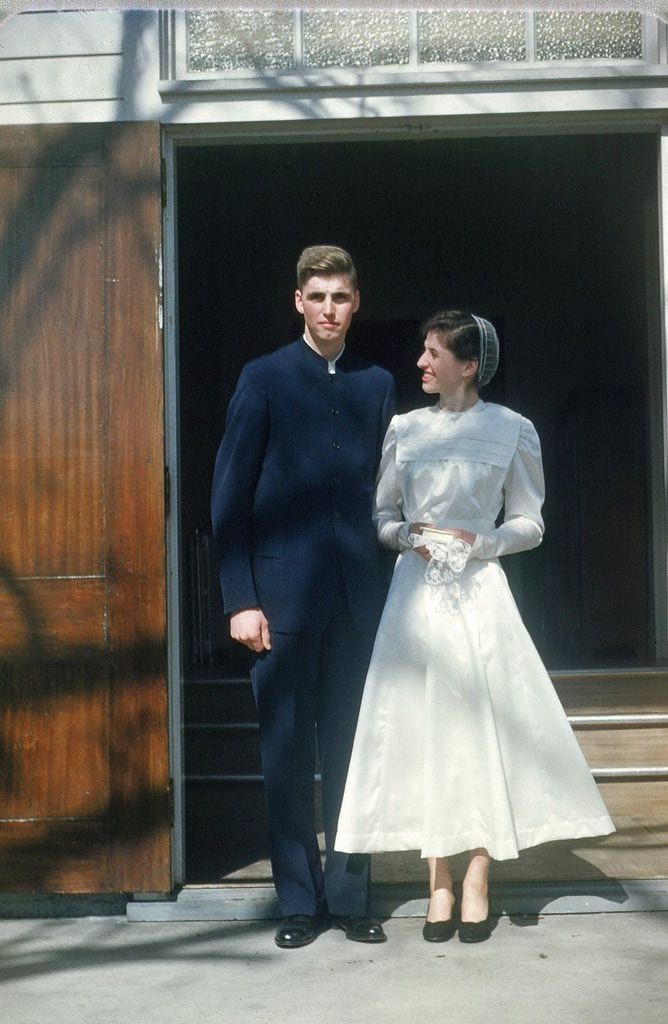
x=459, y=332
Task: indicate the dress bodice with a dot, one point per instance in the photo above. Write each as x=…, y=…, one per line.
x=460, y=470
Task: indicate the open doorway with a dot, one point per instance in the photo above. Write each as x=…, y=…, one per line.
x=555, y=240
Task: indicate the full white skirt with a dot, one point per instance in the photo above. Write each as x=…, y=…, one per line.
x=462, y=741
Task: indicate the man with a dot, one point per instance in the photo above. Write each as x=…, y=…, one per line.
x=302, y=579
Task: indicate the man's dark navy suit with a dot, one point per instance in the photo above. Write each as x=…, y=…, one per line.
x=291, y=510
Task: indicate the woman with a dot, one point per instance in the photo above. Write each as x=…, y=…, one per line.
x=461, y=743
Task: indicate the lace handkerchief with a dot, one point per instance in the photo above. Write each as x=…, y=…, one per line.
x=449, y=555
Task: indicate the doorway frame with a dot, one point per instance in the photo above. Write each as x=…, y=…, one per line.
x=180, y=136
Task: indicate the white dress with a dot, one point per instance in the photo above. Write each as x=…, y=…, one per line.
x=461, y=740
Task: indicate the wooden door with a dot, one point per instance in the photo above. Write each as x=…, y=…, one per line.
x=84, y=778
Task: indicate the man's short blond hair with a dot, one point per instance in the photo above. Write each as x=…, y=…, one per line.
x=325, y=260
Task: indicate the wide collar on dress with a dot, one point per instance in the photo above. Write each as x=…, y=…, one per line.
x=484, y=433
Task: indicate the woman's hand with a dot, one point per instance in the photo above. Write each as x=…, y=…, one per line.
x=465, y=535
x=422, y=552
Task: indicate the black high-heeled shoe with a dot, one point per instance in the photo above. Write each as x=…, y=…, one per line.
x=475, y=931
x=439, y=931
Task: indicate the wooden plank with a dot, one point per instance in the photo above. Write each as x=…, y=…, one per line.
x=625, y=746
x=53, y=856
x=52, y=439
x=63, y=34
x=54, y=728
x=140, y=850
x=83, y=708
x=51, y=80
x=63, y=146
x=50, y=620
x=630, y=693
x=53, y=698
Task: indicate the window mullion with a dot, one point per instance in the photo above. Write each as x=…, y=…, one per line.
x=530, y=30
x=413, y=38
x=299, y=38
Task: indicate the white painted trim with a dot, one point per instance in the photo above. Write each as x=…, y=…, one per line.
x=173, y=537
x=441, y=76
x=658, y=396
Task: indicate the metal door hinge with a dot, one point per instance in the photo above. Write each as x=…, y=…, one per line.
x=168, y=492
x=170, y=799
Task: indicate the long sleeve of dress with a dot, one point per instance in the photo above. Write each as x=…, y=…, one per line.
x=524, y=493
x=388, y=512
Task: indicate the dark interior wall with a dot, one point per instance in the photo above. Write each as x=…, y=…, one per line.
x=553, y=238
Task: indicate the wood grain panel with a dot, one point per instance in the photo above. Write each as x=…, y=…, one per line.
x=54, y=728
x=614, y=693
x=52, y=416
x=51, y=619
x=53, y=856
x=83, y=696
x=59, y=146
x=623, y=747
x=140, y=851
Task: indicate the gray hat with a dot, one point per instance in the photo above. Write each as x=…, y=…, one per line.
x=489, y=350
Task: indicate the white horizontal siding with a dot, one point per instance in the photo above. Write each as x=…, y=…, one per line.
x=52, y=80
x=79, y=66
x=63, y=34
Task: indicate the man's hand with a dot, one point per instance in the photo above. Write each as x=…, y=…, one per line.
x=250, y=628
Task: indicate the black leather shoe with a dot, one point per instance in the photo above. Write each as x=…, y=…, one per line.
x=296, y=930
x=360, y=929
x=474, y=931
x=439, y=931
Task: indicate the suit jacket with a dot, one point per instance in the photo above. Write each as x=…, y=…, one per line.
x=293, y=488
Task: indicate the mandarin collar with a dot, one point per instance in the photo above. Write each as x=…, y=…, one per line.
x=316, y=363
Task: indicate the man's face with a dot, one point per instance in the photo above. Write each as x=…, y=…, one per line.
x=327, y=304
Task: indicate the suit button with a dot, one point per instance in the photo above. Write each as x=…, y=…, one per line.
x=337, y=515
x=335, y=412
x=335, y=444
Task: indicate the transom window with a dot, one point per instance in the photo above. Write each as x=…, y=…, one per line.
x=225, y=42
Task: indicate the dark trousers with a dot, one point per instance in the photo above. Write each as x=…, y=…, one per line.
x=310, y=685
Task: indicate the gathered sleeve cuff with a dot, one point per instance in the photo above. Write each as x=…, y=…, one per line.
x=388, y=513
x=524, y=493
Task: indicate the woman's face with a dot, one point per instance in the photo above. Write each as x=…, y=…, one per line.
x=442, y=373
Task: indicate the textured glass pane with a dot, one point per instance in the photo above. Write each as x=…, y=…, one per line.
x=221, y=41
x=562, y=36
x=356, y=39
x=453, y=38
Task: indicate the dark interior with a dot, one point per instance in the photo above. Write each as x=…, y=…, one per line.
x=552, y=238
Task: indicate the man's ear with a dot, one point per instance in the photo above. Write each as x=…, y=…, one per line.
x=299, y=302
x=356, y=301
